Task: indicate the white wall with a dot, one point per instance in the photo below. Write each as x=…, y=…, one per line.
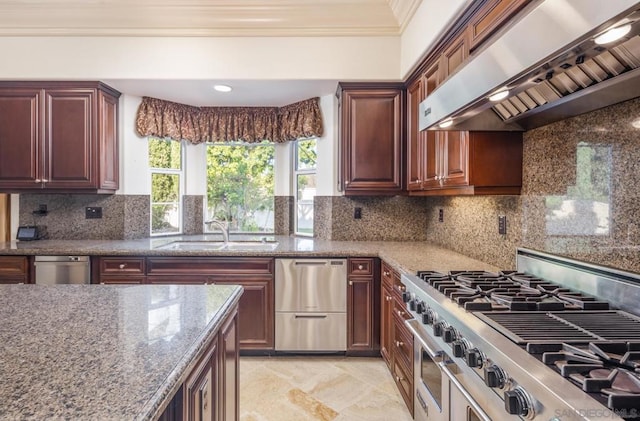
x=339, y=58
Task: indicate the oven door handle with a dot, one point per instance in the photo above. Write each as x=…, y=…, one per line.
x=437, y=356
x=472, y=402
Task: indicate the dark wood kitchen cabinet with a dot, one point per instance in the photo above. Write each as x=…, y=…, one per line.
x=58, y=137
x=363, y=302
x=211, y=390
x=371, y=138
x=256, y=324
x=468, y=163
x=490, y=17
x=15, y=270
x=395, y=339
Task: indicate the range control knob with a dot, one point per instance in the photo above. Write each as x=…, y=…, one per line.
x=428, y=317
x=449, y=334
x=473, y=357
x=406, y=296
x=517, y=402
x=412, y=305
x=438, y=328
x=458, y=347
x=420, y=307
x=494, y=376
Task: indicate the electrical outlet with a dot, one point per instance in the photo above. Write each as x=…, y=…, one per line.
x=440, y=215
x=502, y=225
x=357, y=213
x=93, y=212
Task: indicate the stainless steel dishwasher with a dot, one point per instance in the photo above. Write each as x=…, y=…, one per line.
x=53, y=270
x=311, y=305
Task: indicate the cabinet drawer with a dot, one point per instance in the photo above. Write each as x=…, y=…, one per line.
x=360, y=266
x=387, y=275
x=400, y=309
x=178, y=279
x=404, y=380
x=209, y=265
x=14, y=266
x=402, y=341
x=122, y=265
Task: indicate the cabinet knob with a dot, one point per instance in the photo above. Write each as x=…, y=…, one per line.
x=123, y=265
x=400, y=313
x=346, y=181
x=37, y=180
x=44, y=180
x=385, y=273
x=360, y=267
x=399, y=378
x=350, y=282
x=388, y=297
x=399, y=344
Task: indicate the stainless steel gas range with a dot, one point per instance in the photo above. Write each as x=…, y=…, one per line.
x=558, y=339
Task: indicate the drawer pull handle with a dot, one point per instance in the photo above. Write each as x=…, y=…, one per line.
x=400, y=313
x=37, y=180
x=399, y=378
x=385, y=273
x=389, y=298
x=399, y=344
x=123, y=265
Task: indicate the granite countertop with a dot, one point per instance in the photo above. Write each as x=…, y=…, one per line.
x=98, y=352
x=405, y=256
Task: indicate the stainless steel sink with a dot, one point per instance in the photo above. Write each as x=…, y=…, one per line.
x=220, y=245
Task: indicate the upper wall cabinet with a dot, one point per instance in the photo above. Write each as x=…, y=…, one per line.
x=371, y=131
x=58, y=137
x=490, y=17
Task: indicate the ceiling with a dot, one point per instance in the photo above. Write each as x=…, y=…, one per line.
x=229, y=18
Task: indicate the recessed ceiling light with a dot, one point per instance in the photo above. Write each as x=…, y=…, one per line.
x=222, y=88
x=613, y=34
x=448, y=122
x=500, y=95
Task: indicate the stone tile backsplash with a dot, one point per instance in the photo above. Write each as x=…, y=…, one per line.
x=398, y=218
x=123, y=217
x=580, y=196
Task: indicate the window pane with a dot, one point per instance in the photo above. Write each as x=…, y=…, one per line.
x=306, y=191
x=165, y=218
x=306, y=155
x=165, y=187
x=165, y=154
x=240, y=183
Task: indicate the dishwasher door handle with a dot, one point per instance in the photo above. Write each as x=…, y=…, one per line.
x=310, y=263
x=310, y=316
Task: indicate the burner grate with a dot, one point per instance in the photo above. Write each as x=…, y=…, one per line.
x=567, y=326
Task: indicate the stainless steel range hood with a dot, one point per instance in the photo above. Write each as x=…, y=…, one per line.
x=551, y=66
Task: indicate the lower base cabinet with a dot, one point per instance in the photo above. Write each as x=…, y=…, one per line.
x=15, y=270
x=211, y=390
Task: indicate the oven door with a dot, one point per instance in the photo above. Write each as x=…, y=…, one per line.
x=431, y=385
x=463, y=406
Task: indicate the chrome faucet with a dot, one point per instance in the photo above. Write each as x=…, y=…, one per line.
x=222, y=225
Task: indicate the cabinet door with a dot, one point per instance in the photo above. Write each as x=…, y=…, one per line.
x=360, y=314
x=20, y=134
x=69, y=147
x=431, y=139
x=108, y=158
x=229, y=380
x=201, y=389
x=456, y=158
x=454, y=55
x=414, y=161
x=372, y=141
x=386, y=325
x=255, y=311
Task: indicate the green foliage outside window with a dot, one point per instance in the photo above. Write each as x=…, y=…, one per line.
x=165, y=160
x=240, y=185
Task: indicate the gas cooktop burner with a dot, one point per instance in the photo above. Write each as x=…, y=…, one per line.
x=609, y=369
x=508, y=291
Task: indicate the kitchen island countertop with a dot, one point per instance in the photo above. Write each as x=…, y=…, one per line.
x=405, y=256
x=103, y=352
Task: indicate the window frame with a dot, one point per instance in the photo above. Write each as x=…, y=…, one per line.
x=206, y=229
x=295, y=173
x=181, y=189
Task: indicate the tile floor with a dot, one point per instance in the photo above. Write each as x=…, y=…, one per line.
x=301, y=388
